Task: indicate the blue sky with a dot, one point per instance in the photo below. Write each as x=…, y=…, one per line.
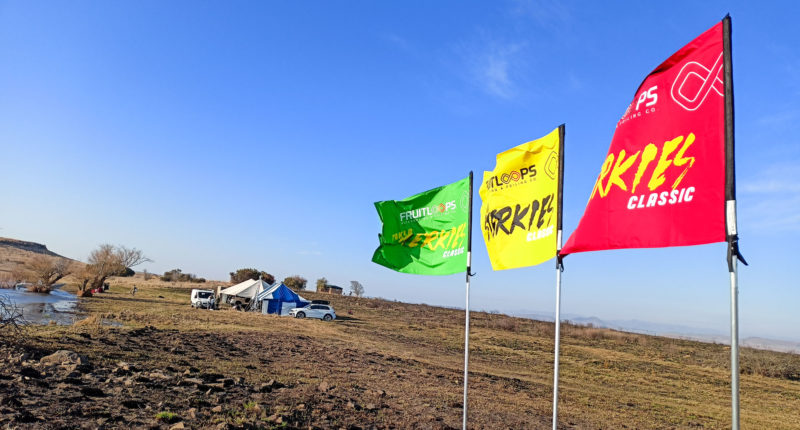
x=220, y=135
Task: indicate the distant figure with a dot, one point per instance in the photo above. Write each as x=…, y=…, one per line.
x=134, y=290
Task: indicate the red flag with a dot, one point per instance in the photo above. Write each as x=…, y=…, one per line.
x=663, y=181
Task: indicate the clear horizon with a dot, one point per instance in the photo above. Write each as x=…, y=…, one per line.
x=259, y=135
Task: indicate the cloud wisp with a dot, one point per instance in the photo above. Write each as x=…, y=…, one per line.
x=494, y=67
x=777, y=199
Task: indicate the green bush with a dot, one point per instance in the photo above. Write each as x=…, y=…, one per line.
x=249, y=273
x=177, y=276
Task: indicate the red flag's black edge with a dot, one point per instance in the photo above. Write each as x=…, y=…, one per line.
x=730, y=168
x=730, y=159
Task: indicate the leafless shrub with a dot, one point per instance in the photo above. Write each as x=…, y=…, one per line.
x=770, y=364
x=590, y=332
x=10, y=315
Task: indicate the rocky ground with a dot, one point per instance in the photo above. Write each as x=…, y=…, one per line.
x=43, y=388
x=151, y=361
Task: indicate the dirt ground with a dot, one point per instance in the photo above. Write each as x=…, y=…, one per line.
x=151, y=361
x=336, y=386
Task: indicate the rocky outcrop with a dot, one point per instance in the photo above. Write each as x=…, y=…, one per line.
x=34, y=247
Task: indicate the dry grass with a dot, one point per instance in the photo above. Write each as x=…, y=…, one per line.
x=93, y=320
x=609, y=379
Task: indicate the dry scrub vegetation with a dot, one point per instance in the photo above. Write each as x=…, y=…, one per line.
x=414, y=355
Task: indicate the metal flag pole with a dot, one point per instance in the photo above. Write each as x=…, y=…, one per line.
x=559, y=269
x=733, y=265
x=466, y=325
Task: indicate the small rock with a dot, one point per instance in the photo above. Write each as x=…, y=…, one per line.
x=64, y=357
x=324, y=386
x=177, y=426
x=269, y=386
x=192, y=413
x=158, y=375
x=216, y=409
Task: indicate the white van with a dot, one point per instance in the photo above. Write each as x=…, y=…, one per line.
x=202, y=299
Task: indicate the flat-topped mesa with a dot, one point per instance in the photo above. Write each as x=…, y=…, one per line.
x=27, y=246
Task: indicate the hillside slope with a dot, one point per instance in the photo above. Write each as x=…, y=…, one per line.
x=14, y=253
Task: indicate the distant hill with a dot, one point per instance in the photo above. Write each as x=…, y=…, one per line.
x=15, y=252
x=675, y=331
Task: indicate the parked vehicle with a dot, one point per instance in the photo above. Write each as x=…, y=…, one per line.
x=203, y=299
x=323, y=312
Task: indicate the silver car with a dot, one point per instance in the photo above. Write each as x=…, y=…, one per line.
x=323, y=312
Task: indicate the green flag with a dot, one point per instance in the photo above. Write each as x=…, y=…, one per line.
x=426, y=234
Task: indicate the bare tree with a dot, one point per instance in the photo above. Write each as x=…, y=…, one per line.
x=47, y=270
x=356, y=288
x=10, y=315
x=106, y=261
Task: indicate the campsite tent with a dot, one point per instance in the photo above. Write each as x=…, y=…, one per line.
x=246, y=290
x=279, y=300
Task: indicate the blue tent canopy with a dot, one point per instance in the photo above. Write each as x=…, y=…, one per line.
x=280, y=300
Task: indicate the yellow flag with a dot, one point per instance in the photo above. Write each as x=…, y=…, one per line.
x=521, y=206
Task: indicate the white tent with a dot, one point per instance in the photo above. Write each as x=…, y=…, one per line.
x=247, y=290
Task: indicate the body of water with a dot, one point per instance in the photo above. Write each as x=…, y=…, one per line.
x=58, y=306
